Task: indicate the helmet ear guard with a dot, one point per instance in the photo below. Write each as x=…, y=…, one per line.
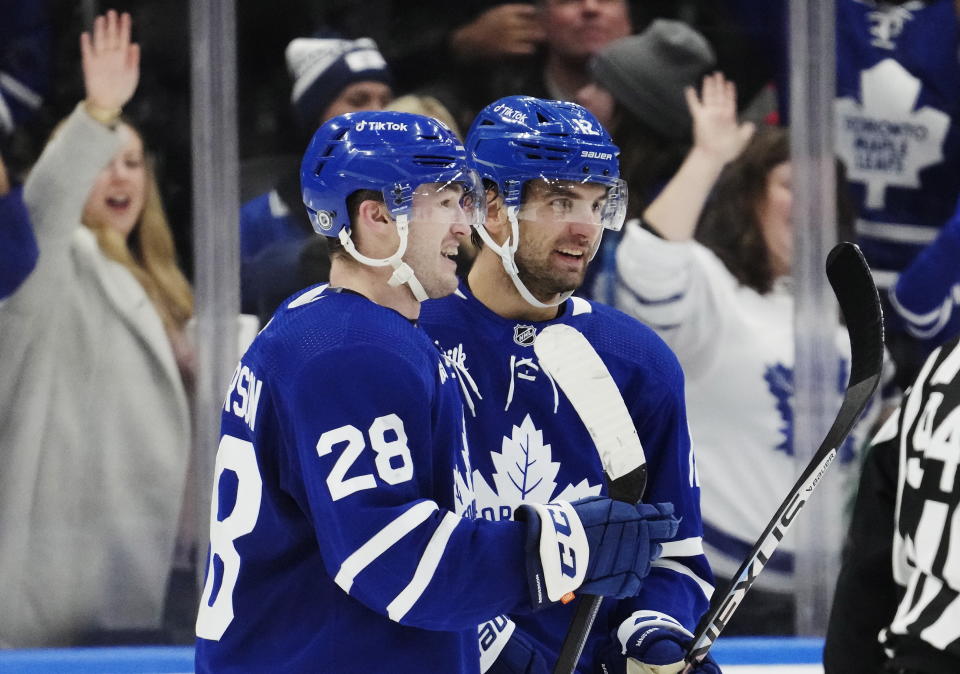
x=322, y=221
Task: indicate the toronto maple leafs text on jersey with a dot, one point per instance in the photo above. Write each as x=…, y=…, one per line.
x=337, y=524
x=527, y=445
x=896, y=113
x=895, y=116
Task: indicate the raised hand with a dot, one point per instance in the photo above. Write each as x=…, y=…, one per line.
x=111, y=63
x=715, y=127
x=511, y=29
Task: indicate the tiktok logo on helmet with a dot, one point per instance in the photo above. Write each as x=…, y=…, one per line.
x=379, y=126
x=509, y=114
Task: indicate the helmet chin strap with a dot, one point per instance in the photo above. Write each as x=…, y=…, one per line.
x=402, y=273
x=506, y=253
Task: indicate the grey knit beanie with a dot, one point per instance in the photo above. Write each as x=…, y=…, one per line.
x=647, y=73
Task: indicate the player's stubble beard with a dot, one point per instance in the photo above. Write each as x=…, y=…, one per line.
x=543, y=279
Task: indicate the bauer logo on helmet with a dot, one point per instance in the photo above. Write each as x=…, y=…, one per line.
x=590, y=154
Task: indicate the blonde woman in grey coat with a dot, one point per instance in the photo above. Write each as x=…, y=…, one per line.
x=94, y=423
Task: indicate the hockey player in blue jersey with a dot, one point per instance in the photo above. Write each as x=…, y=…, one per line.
x=342, y=528
x=552, y=178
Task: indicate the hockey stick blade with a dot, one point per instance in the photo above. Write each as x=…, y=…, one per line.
x=856, y=293
x=570, y=360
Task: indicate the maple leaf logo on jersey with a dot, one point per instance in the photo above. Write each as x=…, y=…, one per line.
x=779, y=380
x=882, y=140
x=525, y=472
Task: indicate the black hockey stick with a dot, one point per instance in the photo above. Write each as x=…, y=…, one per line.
x=570, y=360
x=857, y=295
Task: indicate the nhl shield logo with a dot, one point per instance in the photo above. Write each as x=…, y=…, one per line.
x=524, y=334
x=324, y=221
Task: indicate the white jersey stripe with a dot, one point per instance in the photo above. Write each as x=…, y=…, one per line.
x=382, y=541
x=884, y=279
x=951, y=565
x=705, y=587
x=944, y=629
x=926, y=325
x=933, y=521
x=425, y=569
x=891, y=231
x=688, y=547
x=908, y=613
x=947, y=370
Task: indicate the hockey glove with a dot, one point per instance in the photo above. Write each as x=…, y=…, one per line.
x=653, y=643
x=594, y=545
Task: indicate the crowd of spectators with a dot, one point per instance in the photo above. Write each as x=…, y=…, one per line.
x=95, y=243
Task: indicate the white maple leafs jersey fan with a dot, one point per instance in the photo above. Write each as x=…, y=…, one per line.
x=527, y=445
x=737, y=350
x=326, y=554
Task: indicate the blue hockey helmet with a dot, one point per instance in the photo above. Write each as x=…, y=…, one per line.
x=397, y=154
x=385, y=151
x=521, y=138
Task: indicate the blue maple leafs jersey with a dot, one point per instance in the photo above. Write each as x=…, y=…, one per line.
x=896, y=114
x=341, y=537
x=527, y=445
